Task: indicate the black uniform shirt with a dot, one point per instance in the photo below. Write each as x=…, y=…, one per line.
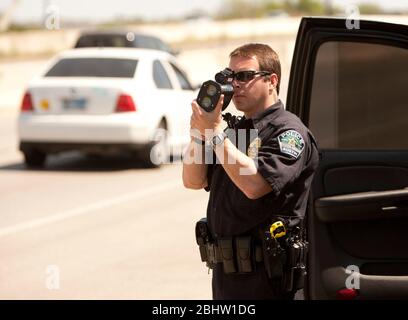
x=287, y=158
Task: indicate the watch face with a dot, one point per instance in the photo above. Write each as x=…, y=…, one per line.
x=217, y=139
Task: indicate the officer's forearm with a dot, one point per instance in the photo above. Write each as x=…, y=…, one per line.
x=194, y=167
x=242, y=170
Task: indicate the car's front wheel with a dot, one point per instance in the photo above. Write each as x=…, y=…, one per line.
x=34, y=158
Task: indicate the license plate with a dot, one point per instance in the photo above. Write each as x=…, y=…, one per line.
x=75, y=104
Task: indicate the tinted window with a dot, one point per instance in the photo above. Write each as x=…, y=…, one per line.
x=129, y=39
x=359, y=96
x=184, y=83
x=145, y=42
x=93, y=67
x=103, y=41
x=153, y=43
x=162, y=46
x=161, y=79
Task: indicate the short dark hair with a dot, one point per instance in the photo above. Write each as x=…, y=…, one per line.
x=267, y=58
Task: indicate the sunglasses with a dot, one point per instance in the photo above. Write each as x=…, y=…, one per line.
x=248, y=75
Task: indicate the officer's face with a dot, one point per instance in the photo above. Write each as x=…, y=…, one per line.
x=251, y=96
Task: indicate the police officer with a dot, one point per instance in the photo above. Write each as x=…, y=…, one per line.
x=270, y=177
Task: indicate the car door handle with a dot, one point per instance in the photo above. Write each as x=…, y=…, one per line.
x=369, y=286
x=362, y=206
x=395, y=209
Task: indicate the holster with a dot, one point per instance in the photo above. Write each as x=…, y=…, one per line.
x=295, y=275
x=203, y=237
x=274, y=256
x=285, y=259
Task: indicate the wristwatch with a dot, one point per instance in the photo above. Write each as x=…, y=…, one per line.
x=198, y=141
x=218, y=139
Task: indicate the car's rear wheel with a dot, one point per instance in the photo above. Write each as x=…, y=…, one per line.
x=34, y=158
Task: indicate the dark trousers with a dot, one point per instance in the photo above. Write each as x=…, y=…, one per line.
x=252, y=286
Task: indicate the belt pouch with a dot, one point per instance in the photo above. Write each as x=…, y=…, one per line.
x=202, y=235
x=227, y=255
x=243, y=246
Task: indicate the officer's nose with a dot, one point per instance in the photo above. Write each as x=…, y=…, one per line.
x=235, y=83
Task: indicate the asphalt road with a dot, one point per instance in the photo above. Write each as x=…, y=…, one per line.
x=95, y=229
x=101, y=228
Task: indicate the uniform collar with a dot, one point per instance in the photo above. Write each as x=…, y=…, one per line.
x=266, y=116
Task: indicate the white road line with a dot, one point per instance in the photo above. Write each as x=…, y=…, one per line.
x=36, y=223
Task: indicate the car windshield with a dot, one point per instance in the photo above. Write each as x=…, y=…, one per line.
x=93, y=67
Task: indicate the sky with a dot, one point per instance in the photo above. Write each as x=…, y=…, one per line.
x=105, y=10
x=99, y=10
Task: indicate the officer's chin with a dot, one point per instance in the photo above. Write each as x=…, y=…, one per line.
x=240, y=106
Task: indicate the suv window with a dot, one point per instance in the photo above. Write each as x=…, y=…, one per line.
x=359, y=96
x=161, y=79
x=184, y=83
x=93, y=67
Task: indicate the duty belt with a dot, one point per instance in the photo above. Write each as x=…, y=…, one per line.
x=283, y=252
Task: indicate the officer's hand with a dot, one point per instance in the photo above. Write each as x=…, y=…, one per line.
x=207, y=123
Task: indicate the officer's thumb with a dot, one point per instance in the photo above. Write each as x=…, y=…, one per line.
x=195, y=107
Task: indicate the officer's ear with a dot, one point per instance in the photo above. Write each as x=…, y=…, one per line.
x=273, y=78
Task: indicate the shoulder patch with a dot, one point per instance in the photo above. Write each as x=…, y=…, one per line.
x=291, y=142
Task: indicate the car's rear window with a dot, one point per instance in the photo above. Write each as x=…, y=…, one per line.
x=93, y=67
x=103, y=41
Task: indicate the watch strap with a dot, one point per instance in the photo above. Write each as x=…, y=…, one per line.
x=218, y=139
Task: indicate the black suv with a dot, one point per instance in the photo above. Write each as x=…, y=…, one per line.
x=350, y=87
x=122, y=38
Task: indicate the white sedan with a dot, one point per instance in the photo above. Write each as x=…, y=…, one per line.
x=104, y=100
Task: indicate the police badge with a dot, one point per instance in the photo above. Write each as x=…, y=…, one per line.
x=253, y=148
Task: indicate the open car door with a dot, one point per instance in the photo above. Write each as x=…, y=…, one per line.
x=350, y=87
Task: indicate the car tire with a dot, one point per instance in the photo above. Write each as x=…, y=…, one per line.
x=157, y=152
x=34, y=158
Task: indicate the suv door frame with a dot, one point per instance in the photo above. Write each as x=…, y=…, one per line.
x=312, y=33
